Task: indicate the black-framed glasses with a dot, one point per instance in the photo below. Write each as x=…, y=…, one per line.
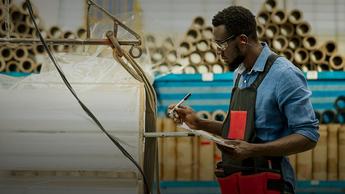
x=222, y=45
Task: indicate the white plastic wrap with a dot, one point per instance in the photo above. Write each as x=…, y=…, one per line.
x=42, y=126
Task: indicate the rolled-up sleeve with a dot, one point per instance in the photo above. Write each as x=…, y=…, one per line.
x=293, y=97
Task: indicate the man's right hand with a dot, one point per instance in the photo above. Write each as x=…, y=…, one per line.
x=184, y=114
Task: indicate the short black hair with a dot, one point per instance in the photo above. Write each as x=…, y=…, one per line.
x=237, y=20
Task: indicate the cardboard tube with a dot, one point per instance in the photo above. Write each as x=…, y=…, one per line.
x=195, y=58
x=6, y=53
x=20, y=53
x=12, y=66
x=330, y=47
x=168, y=44
x=287, y=29
x=304, y=165
x=193, y=35
x=206, y=153
x=217, y=68
x=309, y=67
x=58, y=48
x=190, y=69
x=339, y=104
x=341, y=147
x=23, y=9
x=184, y=61
x=269, y=5
x=39, y=49
x=184, y=161
x=198, y=22
x=202, y=45
x=337, y=62
x=309, y=42
x=323, y=66
x=301, y=56
x=332, y=152
x=317, y=56
x=203, y=68
x=340, y=117
x=263, y=18
x=287, y=53
x=204, y=115
x=21, y=28
x=169, y=151
x=271, y=31
x=295, y=16
x=81, y=33
x=157, y=55
x=295, y=42
x=279, y=16
x=68, y=35
x=27, y=65
x=185, y=48
x=218, y=115
x=164, y=68
x=210, y=57
x=303, y=29
x=293, y=161
x=171, y=56
x=37, y=68
x=177, y=69
x=43, y=32
x=319, y=153
x=2, y=65
x=207, y=33
x=327, y=116
x=55, y=32
x=260, y=30
x=38, y=21
x=280, y=43
x=15, y=14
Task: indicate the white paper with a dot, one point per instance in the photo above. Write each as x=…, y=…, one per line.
x=207, y=135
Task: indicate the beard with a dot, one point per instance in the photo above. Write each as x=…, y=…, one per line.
x=236, y=62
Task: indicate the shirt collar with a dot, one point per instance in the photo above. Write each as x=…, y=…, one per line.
x=260, y=62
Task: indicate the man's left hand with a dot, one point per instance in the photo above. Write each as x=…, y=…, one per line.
x=241, y=150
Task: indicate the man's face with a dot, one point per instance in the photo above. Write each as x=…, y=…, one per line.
x=227, y=47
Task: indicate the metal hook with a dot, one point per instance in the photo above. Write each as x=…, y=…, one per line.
x=115, y=43
x=135, y=51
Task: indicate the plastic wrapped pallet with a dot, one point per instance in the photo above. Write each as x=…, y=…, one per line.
x=43, y=128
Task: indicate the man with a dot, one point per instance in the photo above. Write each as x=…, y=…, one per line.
x=270, y=114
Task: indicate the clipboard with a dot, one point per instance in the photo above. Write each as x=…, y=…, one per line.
x=217, y=139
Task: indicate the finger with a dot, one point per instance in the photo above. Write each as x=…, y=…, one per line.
x=171, y=106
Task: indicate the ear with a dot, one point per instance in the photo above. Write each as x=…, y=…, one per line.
x=243, y=39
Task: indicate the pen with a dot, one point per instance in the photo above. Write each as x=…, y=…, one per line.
x=179, y=103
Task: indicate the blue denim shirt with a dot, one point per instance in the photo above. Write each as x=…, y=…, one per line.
x=283, y=104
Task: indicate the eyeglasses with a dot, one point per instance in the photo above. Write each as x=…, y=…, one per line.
x=222, y=45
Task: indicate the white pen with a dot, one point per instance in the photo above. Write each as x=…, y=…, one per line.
x=179, y=103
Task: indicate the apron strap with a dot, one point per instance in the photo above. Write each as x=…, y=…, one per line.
x=237, y=80
x=268, y=65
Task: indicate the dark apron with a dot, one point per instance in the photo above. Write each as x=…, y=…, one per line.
x=261, y=175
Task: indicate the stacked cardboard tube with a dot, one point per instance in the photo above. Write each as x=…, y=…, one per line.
x=23, y=58
x=195, y=53
x=289, y=35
